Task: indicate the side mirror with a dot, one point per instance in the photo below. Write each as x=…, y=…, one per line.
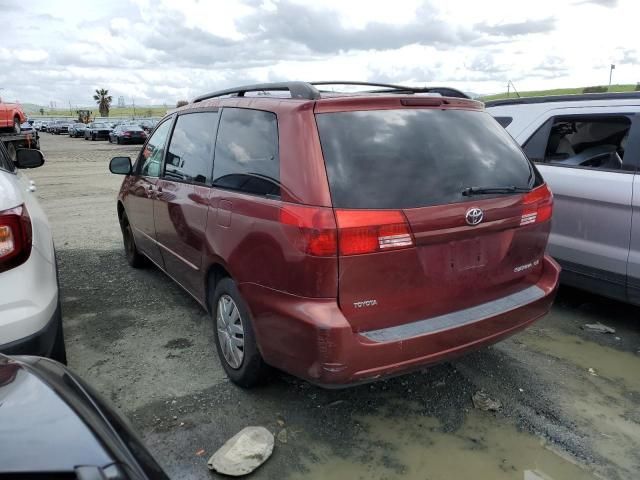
x=120, y=165
x=28, y=158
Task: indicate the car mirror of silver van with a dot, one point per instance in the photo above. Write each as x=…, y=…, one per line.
x=120, y=165
x=29, y=158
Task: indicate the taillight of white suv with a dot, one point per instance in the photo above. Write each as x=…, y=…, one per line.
x=15, y=237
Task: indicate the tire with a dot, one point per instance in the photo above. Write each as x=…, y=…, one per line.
x=134, y=257
x=249, y=370
x=59, y=351
x=86, y=138
x=16, y=124
x=93, y=138
x=118, y=141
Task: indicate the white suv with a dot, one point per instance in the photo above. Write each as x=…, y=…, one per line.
x=30, y=319
x=587, y=148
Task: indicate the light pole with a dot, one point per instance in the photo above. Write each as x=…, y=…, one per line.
x=613, y=67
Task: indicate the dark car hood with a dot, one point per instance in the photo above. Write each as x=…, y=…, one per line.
x=39, y=432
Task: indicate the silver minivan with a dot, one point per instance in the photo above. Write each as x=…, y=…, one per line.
x=587, y=148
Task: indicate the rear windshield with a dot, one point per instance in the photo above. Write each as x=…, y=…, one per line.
x=416, y=157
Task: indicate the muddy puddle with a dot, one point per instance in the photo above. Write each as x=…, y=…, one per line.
x=600, y=393
x=417, y=448
x=621, y=368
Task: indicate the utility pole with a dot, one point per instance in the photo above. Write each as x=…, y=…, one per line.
x=514, y=89
x=613, y=67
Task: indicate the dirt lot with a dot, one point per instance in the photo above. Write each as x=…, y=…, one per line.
x=148, y=347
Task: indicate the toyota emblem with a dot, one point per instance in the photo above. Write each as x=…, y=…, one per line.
x=474, y=216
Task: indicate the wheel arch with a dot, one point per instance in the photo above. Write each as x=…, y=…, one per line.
x=215, y=273
x=120, y=209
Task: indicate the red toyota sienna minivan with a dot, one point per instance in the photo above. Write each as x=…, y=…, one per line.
x=342, y=237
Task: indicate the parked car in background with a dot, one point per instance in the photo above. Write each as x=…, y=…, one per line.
x=77, y=130
x=11, y=116
x=30, y=318
x=342, y=237
x=148, y=125
x=55, y=426
x=127, y=134
x=588, y=148
x=52, y=125
x=97, y=131
x=26, y=127
x=61, y=127
x=37, y=125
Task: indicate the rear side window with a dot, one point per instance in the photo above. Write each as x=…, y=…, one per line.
x=246, y=156
x=5, y=162
x=416, y=158
x=190, y=153
x=504, y=121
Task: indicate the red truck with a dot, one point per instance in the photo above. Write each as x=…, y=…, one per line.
x=11, y=116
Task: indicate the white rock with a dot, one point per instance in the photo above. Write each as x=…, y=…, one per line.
x=598, y=327
x=243, y=453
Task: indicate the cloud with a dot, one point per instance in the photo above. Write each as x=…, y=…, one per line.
x=630, y=56
x=320, y=31
x=165, y=50
x=602, y=3
x=515, y=29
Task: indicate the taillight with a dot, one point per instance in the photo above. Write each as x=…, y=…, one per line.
x=356, y=232
x=537, y=206
x=369, y=231
x=15, y=237
x=316, y=229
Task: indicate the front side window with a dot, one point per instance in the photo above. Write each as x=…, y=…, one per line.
x=583, y=141
x=246, y=153
x=153, y=152
x=190, y=152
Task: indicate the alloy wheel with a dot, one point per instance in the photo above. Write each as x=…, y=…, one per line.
x=230, y=331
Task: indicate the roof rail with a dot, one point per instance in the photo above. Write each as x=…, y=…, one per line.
x=296, y=89
x=309, y=91
x=392, y=88
x=576, y=97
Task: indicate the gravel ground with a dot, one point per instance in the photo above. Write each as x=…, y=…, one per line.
x=148, y=347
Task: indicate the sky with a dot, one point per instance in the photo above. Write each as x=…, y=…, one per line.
x=159, y=52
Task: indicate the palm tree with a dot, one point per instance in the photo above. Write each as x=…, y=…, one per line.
x=103, y=99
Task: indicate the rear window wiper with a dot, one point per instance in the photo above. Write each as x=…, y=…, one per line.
x=467, y=192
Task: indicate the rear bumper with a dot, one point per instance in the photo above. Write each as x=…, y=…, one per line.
x=40, y=343
x=311, y=338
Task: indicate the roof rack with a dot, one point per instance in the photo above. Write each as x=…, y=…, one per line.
x=565, y=98
x=308, y=90
x=392, y=88
x=296, y=89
